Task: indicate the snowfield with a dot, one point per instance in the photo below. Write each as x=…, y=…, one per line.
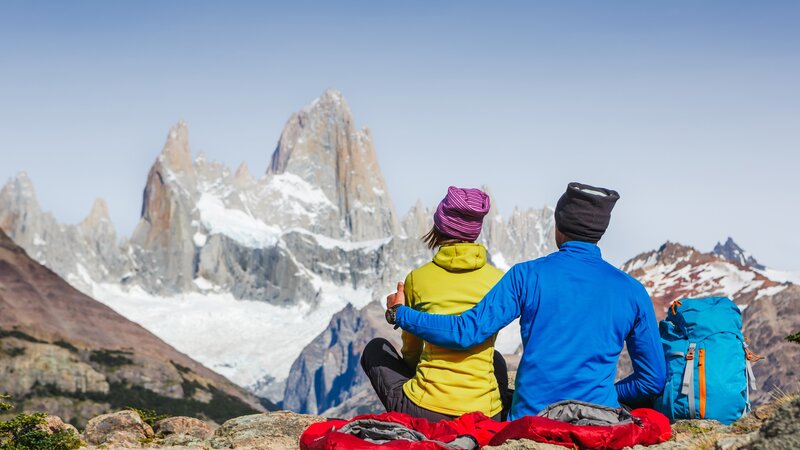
x=781, y=276
x=236, y=224
x=240, y=339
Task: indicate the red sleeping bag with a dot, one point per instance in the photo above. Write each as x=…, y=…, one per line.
x=654, y=429
x=323, y=435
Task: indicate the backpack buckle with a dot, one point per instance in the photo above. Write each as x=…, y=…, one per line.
x=750, y=356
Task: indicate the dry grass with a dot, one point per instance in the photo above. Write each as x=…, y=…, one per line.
x=780, y=397
x=706, y=441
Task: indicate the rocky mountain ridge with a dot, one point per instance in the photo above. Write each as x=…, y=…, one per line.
x=732, y=252
x=63, y=352
x=677, y=271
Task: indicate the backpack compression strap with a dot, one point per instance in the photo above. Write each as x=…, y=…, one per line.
x=687, y=388
x=750, y=358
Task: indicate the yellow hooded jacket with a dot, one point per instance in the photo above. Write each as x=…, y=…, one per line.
x=452, y=382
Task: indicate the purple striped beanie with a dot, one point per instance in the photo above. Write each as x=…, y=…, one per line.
x=460, y=214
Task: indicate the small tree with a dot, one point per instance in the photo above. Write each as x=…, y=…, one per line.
x=794, y=338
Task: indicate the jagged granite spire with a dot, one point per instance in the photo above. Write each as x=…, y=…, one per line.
x=78, y=253
x=176, y=154
x=242, y=176
x=731, y=251
x=98, y=214
x=18, y=206
x=164, y=230
x=321, y=145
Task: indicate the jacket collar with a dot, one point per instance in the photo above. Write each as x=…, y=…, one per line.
x=582, y=249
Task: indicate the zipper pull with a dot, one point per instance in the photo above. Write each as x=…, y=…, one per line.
x=675, y=306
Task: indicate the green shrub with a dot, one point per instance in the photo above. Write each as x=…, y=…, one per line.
x=180, y=368
x=25, y=432
x=190, y=387
x=148, y=416
x=14, y=351
x=111, y=358
x=4, y=406
x=794, y=338
x=64, y=344
x=19, y=335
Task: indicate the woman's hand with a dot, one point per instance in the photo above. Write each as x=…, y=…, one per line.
x=396, y=298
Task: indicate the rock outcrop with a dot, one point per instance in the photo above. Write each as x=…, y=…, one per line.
x=183, y=431
x=119, y=429
x=54, y=424
x=279, y=430
x=781, y=430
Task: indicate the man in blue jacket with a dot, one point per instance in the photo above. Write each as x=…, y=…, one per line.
x=576, y=311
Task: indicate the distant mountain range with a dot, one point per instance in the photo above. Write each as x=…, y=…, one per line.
x=241, y=272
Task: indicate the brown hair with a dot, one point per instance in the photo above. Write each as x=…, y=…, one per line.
x=436, y=238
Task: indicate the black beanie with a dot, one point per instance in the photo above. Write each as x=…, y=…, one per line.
x=583, y=212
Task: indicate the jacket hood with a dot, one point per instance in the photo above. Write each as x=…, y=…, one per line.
x=460, y=257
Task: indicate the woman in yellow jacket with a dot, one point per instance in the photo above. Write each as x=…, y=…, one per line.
x=434, y=382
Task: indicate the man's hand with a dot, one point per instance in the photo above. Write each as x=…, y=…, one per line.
x=396, y=298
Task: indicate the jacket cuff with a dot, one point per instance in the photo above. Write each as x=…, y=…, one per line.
x=399, y=316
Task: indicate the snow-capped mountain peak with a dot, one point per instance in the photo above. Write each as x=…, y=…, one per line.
x=321, y=145
x=676, y=271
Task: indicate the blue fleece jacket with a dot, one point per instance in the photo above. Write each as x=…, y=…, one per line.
x=576, y=312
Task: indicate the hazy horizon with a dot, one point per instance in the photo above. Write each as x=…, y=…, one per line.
x=689, y=110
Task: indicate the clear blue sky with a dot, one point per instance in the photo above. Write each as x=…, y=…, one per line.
x=691, y=110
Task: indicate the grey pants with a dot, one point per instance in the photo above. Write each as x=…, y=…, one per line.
x=388, y=373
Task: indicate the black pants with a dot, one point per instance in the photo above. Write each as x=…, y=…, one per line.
x=388, y=372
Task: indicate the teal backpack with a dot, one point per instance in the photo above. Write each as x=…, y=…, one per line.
x=709, y=373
